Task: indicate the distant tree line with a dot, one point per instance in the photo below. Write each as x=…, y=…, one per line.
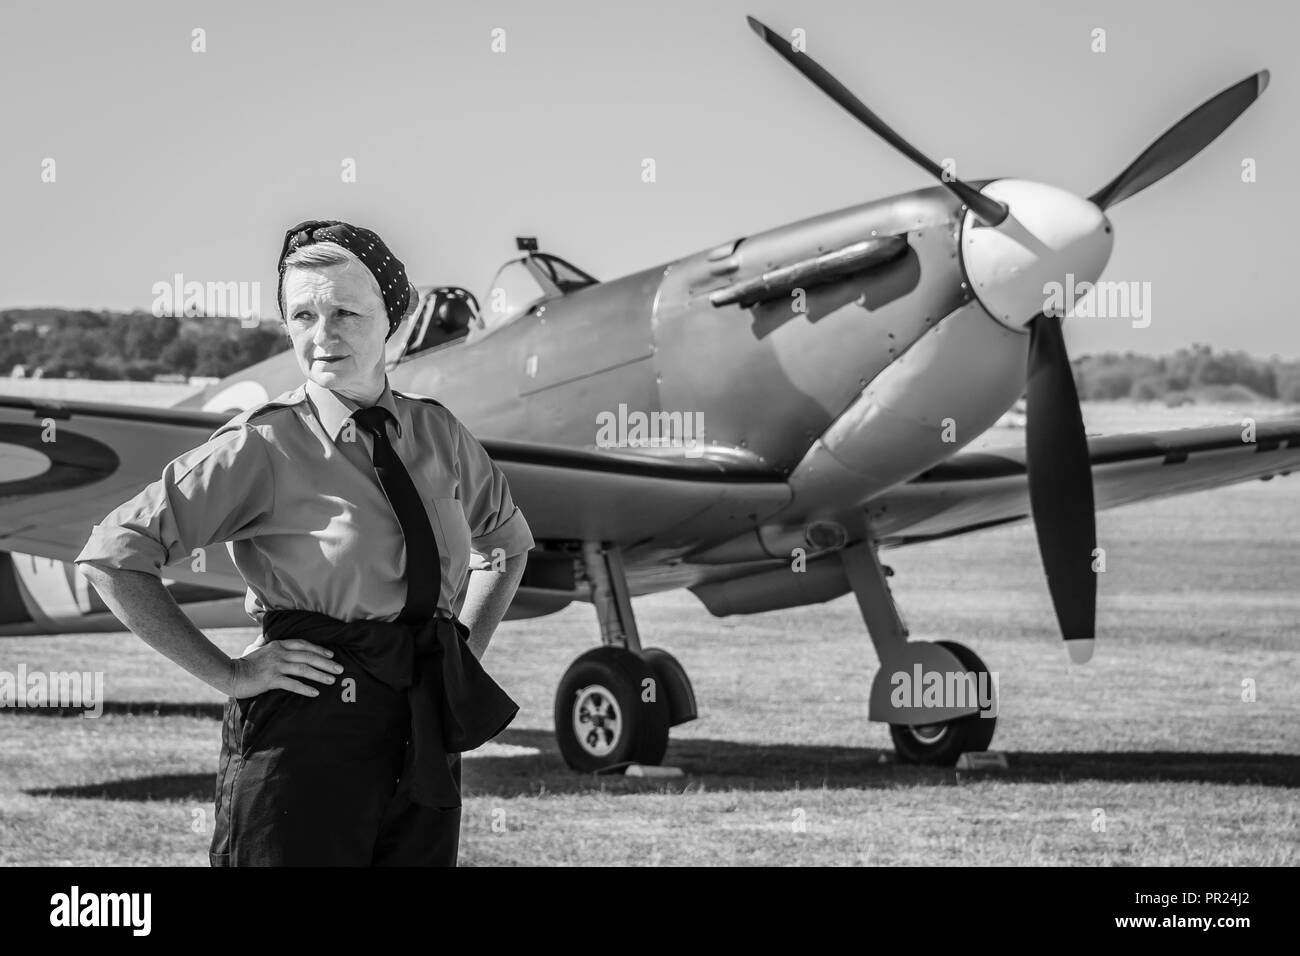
x=65, y=343
x=1190, y=374
x=137, y=345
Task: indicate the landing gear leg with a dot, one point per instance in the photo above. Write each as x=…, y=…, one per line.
x=615, y=704
x=603, y=566
x=924, y=730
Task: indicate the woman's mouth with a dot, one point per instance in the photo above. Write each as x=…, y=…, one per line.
x=329, y=359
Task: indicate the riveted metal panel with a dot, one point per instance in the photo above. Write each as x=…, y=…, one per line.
x=769, y=379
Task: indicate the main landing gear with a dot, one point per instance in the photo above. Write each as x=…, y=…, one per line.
x=615, y=703
x=940, y=700
x=941, y=744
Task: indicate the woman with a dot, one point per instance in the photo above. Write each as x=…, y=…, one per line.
x=350, y=510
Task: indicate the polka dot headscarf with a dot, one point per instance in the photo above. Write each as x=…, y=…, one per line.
x=368, y=247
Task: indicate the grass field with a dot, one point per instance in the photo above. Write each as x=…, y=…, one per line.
x=1152, y=737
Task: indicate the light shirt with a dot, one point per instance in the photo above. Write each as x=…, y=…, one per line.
x=290, y=485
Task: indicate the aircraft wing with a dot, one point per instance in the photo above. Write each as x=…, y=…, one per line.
x=576, y=494
x=981, y=489
x=65, y=465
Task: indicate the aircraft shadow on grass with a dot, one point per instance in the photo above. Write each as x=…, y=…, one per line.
x=148, y=708
x=535, y=764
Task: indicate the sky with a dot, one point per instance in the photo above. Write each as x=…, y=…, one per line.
x=174, y=161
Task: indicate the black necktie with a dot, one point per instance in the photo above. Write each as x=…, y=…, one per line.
x=423, y=571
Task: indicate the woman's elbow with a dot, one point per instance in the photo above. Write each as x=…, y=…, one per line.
x=96, y=574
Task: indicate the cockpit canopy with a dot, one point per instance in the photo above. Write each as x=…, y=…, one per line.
x=521, y=284
x=566, y=276
x=446, y=314
x=450, y=314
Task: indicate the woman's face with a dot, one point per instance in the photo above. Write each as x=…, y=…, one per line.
x=337, y=323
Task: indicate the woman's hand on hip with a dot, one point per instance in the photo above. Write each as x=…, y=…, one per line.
x=275, y=666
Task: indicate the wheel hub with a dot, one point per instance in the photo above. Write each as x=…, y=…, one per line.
x=597, y=720
x=929, y=733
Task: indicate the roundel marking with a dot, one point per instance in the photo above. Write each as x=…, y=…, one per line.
x=240, y=395
x=29, y=465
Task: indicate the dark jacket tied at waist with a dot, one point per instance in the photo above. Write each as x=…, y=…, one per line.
x=455, y=705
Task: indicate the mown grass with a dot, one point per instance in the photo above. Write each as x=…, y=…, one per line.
x=1152, y=737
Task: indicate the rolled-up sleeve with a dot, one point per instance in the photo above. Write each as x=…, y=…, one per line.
x=495, y=521
x=214, y=493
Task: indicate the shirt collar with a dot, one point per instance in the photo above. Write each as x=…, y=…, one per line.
x=334, y=409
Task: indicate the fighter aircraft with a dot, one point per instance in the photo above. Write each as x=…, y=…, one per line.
x=754, y=421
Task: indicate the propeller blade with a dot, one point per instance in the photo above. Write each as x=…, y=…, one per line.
x=989, y=210
x=1060, y=486
x=1184, y=140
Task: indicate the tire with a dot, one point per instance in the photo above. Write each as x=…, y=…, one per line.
x=939, y=745
x=601, y=720
x=671, y=679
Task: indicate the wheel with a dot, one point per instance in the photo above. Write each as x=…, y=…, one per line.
x=939, y=745
x=671, y=678
x=601, y=719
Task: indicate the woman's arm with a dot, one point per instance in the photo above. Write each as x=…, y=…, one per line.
x=143, y=604
x=488, y=595
x=219, y=491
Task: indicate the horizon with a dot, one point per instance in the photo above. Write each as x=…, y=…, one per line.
x=171, y=161
x=276, y=321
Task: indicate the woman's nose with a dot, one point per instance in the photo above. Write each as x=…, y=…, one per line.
x=326, y=327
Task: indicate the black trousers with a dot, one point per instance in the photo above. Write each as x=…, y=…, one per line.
x=320, y=781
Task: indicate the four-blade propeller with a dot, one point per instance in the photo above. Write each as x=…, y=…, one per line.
x=1060, y=471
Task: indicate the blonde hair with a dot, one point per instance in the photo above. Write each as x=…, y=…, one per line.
x=320, y=254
